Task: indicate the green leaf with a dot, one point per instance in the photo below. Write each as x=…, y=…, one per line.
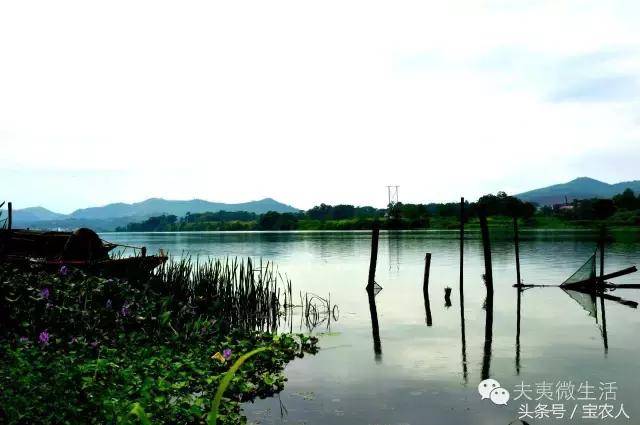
x=139, y=412
x=212, y=417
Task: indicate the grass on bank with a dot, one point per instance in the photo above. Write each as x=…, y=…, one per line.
x=83, y=349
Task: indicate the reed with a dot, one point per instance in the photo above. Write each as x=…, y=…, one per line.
x=236, y=292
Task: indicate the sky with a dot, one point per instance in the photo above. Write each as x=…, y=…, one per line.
x=310, y=102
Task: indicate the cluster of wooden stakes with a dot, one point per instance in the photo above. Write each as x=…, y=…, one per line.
x=585, y=283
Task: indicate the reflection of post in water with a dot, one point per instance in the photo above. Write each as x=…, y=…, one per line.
x=488, y=337
x=377, y=345
x=425, y=288
x=604, y=326
x=462, y=325
x=464, y=341
x=518, y=330
x=488, y=280
x=516, y=242
x=601, y=241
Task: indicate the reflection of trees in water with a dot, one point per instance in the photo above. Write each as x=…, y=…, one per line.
x=326, y=245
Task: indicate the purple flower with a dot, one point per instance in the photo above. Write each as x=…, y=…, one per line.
x=226, y=353
x=109, y=304
x=44, y=293
x=94, y=344
x=64, y=270
x=124, y=311
x=43, y=338
x=73, y=340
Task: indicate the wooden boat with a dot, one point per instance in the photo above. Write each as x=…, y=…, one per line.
x=115, y=267
x=82, y=249
x=80, y=244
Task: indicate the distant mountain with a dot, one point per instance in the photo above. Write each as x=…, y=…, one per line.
x=110, y=216
x=580, y=188
x=33, y=214
x=99, y=225
x=156, y=206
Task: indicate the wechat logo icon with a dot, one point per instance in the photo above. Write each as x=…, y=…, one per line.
x=491, y=389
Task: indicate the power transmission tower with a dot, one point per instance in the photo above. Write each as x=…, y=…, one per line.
x=393, y=195
x=392, y=191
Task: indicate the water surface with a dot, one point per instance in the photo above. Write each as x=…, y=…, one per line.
x=419, y=374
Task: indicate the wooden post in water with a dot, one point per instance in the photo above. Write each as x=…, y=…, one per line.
x=375, y=234
x=486, y=245
x=425, y=288
x=9, y=215
x=461, y=290
x=601, y=280
x=516, y=241
x=427, y=267
x=461, y=243
x=488, y=278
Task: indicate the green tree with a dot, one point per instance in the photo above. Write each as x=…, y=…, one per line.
x=627, y=200
x=603, y=208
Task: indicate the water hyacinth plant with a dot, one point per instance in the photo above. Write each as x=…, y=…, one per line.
x=106, y=344
x=212, y=417
x=43, y=338
x=226, y=353
x=44, y=293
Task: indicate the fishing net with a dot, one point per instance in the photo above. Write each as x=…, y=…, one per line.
x=586, y=301
x=587, y=272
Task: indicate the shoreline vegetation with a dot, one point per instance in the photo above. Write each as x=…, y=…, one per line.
x=622, y=213
x=78, y=348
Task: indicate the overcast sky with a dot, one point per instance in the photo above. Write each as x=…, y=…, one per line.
x=311, y=102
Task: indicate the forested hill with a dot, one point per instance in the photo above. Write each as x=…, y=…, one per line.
x=580, y=188
x=108, y=217
x=623, y=211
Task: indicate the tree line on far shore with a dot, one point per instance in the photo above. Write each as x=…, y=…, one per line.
x=623, y=210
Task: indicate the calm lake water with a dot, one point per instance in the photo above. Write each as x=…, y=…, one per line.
x=421, y=374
